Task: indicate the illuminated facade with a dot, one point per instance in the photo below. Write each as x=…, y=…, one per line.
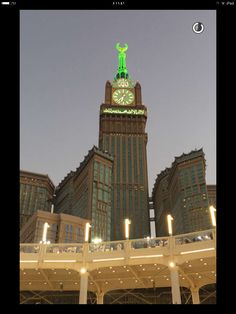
x=63, y=228
x=86, y=192
x=122, y=133
x=36, y=193
x=182, y=192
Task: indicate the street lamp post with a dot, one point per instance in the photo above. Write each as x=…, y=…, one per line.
x=87, y=228
x=213, y=217
x=169, y=223
x=174, y=276
x=45, y=230
x=127, y=223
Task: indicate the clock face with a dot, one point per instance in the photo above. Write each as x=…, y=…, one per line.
x=123, y=96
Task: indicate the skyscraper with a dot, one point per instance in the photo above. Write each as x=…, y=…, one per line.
x=122, y=133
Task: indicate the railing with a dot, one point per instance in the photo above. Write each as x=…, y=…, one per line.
x=162, y=242
x=194, y=237
x=29, y=248
x=149, y=243
x=106, y=246
x=64, y=248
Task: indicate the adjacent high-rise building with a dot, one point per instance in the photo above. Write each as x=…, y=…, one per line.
x=36, y=193
x=161, y=202
x=182, y=192
x=211, y=191
x=63, y=228
x=122, y=133
x=86, y=192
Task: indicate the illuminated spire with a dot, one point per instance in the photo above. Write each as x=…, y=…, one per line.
x=122, y=70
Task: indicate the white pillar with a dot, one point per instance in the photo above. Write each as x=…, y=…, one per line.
x=175, y=288
x=100, y=296
x=83, y=288
x=195, y=295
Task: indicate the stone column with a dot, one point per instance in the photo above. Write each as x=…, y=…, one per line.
x=100, y=296
x=83, y=288
x=195, y=295
x=175, y=288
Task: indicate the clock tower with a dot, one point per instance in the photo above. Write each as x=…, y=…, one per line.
x=122, y=134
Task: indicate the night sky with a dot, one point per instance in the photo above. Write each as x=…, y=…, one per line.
x=66, y=57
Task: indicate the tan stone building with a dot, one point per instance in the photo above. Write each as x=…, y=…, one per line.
x=36, y=193
x=63, y=228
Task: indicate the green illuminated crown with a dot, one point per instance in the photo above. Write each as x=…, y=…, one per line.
x=122, y=70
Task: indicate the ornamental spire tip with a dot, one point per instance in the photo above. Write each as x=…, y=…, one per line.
x=122, y=69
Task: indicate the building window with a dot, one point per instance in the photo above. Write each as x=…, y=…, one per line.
x=107, y=181
x=124, y=159
x=118, y=160
x=129, y=161
x=188, y=191
x=195, y=189
x=100, y=195
x=101, y=178
x=135, y=160
x=68, y=235
x=105, y=196
x=107, y=143
x=112, y=146
x=118, y=200
x=95, y=170
x=53, y=232
x=203, y=188
x=141, y=160
x=79, y=234
x=130, y=199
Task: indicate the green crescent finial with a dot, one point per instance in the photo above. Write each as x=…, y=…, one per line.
x=122, y=70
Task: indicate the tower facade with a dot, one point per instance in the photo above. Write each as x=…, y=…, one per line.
x=122, y=134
